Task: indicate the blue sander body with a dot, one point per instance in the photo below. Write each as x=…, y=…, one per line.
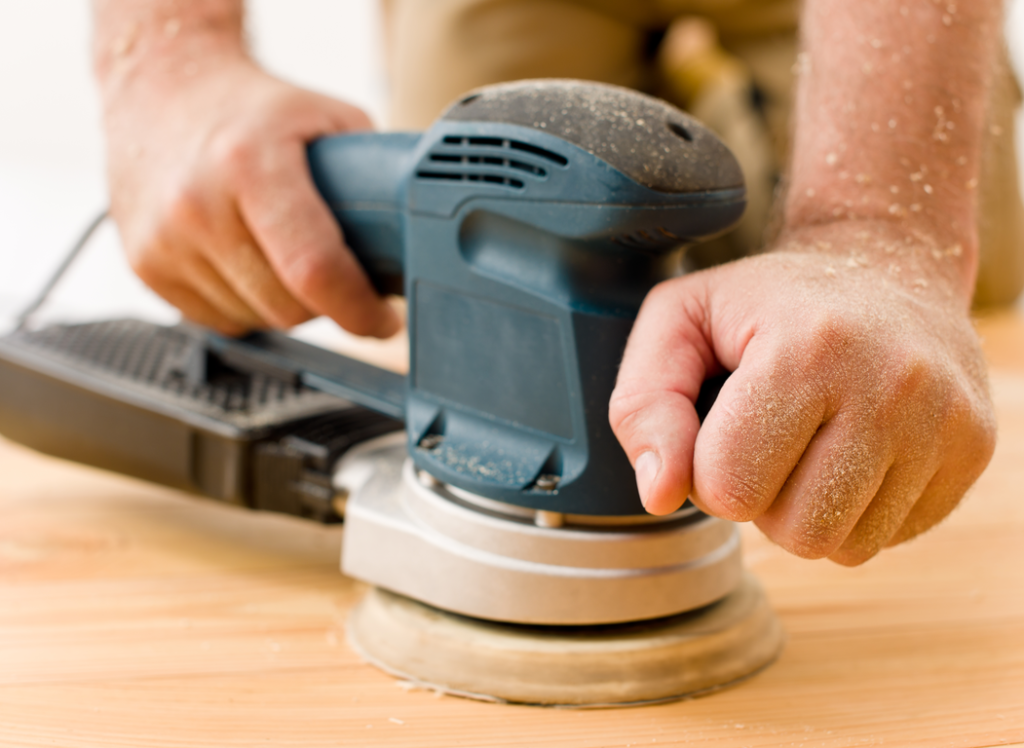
x=525, y=241
x=525, y=229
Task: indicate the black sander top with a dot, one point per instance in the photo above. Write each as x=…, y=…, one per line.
x=615, y=124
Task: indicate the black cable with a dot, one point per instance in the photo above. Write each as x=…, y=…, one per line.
x=26, y=315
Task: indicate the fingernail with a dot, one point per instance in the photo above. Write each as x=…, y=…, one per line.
x=647, y=466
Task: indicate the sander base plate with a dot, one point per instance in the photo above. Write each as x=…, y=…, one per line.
x=570, y=666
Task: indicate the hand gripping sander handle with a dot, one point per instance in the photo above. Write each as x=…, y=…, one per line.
x=525, y=228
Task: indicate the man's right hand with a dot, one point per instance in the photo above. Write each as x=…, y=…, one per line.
x=217, y=211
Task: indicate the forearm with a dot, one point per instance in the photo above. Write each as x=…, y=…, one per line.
x=890, y=113
x=166, y=40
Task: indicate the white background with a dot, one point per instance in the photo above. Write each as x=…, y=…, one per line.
x=51, y=152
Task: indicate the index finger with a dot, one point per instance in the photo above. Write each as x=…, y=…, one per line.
x=305, y=247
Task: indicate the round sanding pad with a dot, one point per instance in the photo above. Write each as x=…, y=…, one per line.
x=620, y=664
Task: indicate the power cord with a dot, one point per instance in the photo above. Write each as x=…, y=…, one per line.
x=26, y=314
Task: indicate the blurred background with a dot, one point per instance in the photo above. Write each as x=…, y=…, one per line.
x=51, y=151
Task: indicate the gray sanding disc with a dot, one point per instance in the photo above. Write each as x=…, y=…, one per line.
x=583, y=666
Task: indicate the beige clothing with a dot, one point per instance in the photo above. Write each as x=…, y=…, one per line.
x=740, y=86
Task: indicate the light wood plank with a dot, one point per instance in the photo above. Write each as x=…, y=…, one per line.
x=136, y=616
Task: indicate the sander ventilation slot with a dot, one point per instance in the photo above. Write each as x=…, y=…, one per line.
x=483, y=159
x=652, y=239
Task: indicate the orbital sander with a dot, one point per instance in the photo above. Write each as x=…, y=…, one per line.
x=484, y=495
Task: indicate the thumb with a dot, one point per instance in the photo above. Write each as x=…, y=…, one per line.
x=652, y=409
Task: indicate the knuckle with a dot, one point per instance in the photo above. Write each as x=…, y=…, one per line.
x=309, y=275
x=914, y=376
x=185, y=208
x=809, y=546
x=145, y=266
x=822, y=533
x=736, y=495
x=234, y=156
x=952, y=413
x=624, y=409
x=675, y=296
x=832, y=333
x=145, y=258
x=944, y=407
x=660, y=295
x=805, y=538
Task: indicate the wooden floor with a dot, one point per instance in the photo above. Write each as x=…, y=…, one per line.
x=134, y=616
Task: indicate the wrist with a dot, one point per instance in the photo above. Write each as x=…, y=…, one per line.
x=161, y=45
x=912, y=257
x=932, y=198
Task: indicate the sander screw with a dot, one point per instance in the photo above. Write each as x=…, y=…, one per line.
x=548, y=482
x=548, y=519
x=339, y=501
x=431, y=441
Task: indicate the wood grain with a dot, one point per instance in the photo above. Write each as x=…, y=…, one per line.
x=136, y=616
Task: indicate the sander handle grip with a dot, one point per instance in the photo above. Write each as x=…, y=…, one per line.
x=362, y=178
